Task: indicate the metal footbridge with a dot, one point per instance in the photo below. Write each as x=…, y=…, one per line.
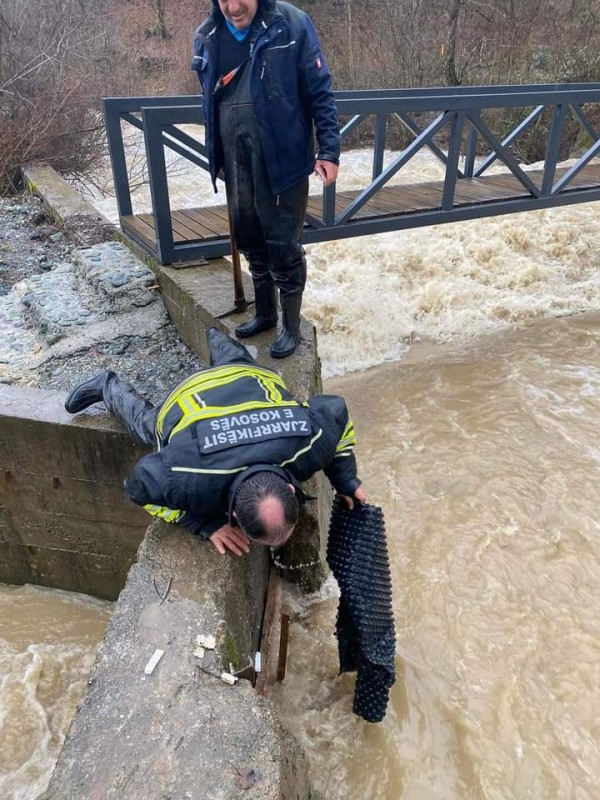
x=455, y=124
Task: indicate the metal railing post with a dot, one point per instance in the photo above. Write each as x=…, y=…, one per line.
x=118, y=163
x=470, y=152
x=159, y=187
x=379, y=145
x=453, y=155
x=553, y=148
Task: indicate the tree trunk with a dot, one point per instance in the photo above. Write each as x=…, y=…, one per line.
x=159, y=28
x=452, y=76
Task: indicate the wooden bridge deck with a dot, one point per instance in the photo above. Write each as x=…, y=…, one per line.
x=211, y=223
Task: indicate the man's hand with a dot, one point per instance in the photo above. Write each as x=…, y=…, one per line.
x=230, y=538
x=359, y=495
x=327, y=171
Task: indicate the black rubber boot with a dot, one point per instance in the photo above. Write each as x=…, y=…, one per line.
x=88, y=392
x=265, y=317
x=225, y=350
x=289, y=338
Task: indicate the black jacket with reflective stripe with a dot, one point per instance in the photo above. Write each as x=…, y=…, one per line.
x=221, y=421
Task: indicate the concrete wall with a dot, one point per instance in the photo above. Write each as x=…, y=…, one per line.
x=65, y=521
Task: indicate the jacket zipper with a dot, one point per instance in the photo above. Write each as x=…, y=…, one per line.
x=277, y=47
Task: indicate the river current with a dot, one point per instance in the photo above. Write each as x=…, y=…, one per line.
x=469, y=357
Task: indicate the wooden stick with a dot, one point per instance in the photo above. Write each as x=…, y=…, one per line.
x=283, y=642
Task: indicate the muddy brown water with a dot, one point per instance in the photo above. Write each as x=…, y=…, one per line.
x=485, y=459
x=48, y=641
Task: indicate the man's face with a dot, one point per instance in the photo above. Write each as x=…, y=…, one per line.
x=239, y=12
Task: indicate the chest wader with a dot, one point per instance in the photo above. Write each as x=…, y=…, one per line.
x=137, y=415
x=267, y=227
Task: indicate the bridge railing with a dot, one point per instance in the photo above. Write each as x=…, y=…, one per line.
x=456, y=119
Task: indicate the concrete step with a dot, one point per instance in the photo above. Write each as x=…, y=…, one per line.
x=100, y=281
x=123, y=281
x=17, y=342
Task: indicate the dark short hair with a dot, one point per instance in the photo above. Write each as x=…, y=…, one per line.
x=248, y=500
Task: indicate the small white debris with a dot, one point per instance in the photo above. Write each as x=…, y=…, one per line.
x=227, y=678
x=209, y=642
x=257, y=661
x=150, y=666
x=199, y=652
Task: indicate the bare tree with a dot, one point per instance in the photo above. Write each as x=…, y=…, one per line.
x=159, y=27
x=452, y=76
x=51, y=54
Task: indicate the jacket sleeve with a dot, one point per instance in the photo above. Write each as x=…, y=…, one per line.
x=148, y=486
x=315, y=82
x=335, y=449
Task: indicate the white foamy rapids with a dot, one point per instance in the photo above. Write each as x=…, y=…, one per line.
x=30, y=705
x=371, y=297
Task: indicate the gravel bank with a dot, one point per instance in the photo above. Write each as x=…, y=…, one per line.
x=60, y=320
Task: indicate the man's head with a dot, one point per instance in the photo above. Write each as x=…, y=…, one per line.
x=266, y=508
x=239, y=12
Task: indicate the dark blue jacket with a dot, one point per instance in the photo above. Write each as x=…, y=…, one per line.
x=291, y=90
x=222, y=421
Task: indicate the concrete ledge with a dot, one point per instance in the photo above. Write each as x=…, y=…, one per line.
x=84, y=223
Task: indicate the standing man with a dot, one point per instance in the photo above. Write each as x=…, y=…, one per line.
x=266, y=85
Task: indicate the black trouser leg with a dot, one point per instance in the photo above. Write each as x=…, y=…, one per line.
x=265, y=296
x=225, y=350
x=289, y=338
x=136, y=414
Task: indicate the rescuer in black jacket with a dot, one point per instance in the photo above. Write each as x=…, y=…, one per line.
x=232, y=445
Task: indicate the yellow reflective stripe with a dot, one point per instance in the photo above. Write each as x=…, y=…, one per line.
x=167, y=514
x=188, y=405
x=270, y=386
x=219, y=376
x=218, y=411
x=197, y=471
x=348, y=439
x=304, y=449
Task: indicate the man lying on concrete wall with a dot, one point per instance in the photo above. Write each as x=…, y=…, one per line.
x=232, y=445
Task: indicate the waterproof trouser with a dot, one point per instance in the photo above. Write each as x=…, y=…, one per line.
x=267, y=228
x=135, y=413
x=225, y=350
x=138, y=415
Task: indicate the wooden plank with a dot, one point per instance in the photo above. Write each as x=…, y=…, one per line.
x=149, y=220
x=184, y=230
x=140, y=229
x=221, y=211
x=268, y=649
x=193, y=230
x=283, y=642
x=215, y=217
